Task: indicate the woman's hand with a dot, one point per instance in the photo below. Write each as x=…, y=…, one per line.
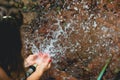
x=43, y=61
x=30, y=60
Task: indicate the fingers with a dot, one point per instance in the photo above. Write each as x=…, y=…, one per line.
x=49, y=65
x=50, y=60
x=34, y=56
x=44, y=61
x=30, y=60
x=40, y=54
x=44, y=58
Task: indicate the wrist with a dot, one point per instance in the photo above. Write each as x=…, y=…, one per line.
x=39, y=69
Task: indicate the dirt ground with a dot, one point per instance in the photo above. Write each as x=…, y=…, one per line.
x=90, y=36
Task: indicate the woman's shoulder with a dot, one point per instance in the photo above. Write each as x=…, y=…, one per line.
x=3, y=75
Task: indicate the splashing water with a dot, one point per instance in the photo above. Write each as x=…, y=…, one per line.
x=52, y=45
x=71, y=35
x=77, y=32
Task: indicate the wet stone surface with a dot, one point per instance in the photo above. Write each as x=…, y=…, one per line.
x=79, y=35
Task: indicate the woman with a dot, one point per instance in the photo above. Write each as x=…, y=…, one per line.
x=11, y=60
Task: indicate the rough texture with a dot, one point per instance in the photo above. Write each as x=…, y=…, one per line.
x=91, y=34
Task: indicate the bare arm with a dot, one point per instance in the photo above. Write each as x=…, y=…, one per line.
x=43, y=64
x=36, y=75
x=3, y=75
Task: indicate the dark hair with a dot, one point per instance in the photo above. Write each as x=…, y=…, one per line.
x=11, y=59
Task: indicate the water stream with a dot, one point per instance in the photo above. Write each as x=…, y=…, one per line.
x=76, y=32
